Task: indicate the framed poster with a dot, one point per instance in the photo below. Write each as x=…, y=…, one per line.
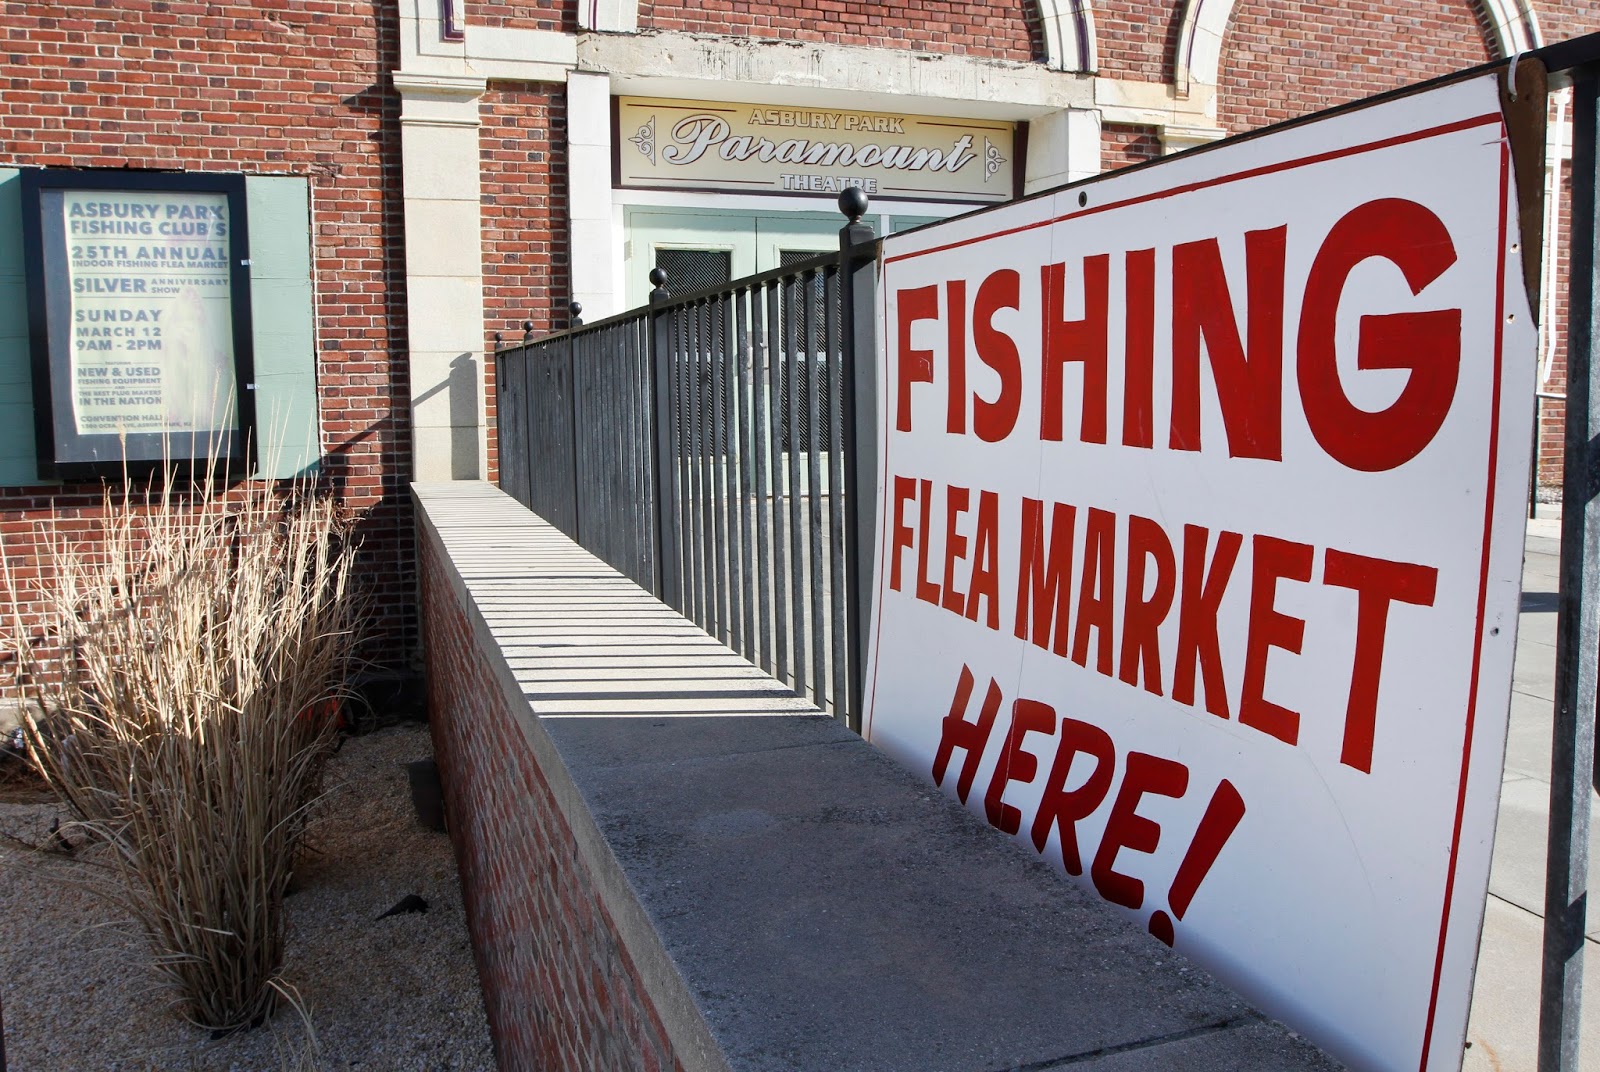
x=139, y=320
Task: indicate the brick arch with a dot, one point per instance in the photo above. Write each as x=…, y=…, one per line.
x=1069, y=38
x=1511, y=26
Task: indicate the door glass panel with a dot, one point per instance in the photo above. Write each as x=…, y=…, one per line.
x=898, y=223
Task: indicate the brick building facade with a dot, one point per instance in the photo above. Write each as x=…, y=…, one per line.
x=456, y=159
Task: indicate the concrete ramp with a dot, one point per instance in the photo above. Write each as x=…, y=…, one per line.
x=672, y=862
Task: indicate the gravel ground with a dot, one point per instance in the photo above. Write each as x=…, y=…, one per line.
x=395, y=994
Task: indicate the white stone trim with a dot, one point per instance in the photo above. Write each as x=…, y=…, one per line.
x=1155, y=104
x=1069, y=38
x=441, y=191
x=592, y=252
x=422, y=40
x=483, y=52
x=429, y=86
x=1176, y=138
x=703, y=66
x=1063, y=147
x=609, y=16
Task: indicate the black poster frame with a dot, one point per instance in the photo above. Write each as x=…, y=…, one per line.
x=66, y=454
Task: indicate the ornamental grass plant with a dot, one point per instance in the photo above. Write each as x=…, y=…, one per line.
x=187, y=683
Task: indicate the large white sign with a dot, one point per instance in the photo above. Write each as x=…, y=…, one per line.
x=1200, y=546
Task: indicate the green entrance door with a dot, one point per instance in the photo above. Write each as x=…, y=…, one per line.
x=701, y=247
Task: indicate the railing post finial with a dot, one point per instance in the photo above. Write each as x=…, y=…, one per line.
x=575, y=314
x=853, y=203
x=527, y=332
x=658, y=279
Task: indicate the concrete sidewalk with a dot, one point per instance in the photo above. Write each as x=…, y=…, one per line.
x=1503, y=1033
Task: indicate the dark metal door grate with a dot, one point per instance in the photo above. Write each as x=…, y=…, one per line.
x=695, y=269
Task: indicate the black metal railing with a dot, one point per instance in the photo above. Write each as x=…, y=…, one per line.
x=575, y=418
x=706, y=447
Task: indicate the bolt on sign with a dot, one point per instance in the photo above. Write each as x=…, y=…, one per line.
x=757, y=148
x=1200, y=542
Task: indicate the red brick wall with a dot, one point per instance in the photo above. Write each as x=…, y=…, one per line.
x=1279, y=63
x=1561, y=19
x=1136, y=39
x=1122, y=145
x=1000, y=29
x=561, y=17
x=522, y=154
x=265, y=87
x=560, y=989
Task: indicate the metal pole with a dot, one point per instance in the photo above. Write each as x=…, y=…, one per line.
x=858, y=287
x=1572, y=772
x=668, y=580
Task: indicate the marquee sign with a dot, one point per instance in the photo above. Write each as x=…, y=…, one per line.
x=139, y=314
x=755, y=148
x=1199, y=548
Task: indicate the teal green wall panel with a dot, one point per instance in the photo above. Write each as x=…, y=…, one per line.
x=17, y=456
x=286, y=414
x=283, y=326
x=10, y=223
x=280, y=207
x=16, y=439
x=13, y=307
x=16, y=374
x=283, y=330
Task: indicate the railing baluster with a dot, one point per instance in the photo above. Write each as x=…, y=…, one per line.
x=814, y=458
x=707, y=485
x=734, y=380
x=688, y=433
x=633, y=334
x=780, y=578
x=794, y=408
x=599, y=406
x=838, y=648
x=716, y=355
x=760, y=456
x=576, y=463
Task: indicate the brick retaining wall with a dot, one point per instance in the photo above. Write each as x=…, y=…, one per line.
x=560, y=991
